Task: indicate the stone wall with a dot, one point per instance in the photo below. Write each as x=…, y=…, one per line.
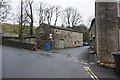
x=71, y=38
x=106, y=30
x=92, y=33
x=17, y=44
x=42, y=35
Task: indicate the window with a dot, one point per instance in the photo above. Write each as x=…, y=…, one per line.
x=118, y=8
x=75, y=42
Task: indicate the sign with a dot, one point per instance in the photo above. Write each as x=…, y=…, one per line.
x=50, y=36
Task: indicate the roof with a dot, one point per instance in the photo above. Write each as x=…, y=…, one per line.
x=30, y=36
x=44, y=24
x=93, y=21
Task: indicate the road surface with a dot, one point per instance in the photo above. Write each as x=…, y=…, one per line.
x=20, y=63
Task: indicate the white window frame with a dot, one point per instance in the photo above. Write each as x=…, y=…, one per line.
x=118, y=7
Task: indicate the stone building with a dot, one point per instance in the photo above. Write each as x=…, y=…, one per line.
x=58, y=37
x=92, y=32
x=105, y=29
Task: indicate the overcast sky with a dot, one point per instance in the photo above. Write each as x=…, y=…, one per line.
x=85, y=7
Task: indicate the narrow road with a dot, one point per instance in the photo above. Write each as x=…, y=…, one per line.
x=80, y=53
x=20, y=63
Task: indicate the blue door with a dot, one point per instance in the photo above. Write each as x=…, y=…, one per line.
x=61, y=43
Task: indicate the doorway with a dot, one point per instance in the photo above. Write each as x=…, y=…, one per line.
x=61, y=43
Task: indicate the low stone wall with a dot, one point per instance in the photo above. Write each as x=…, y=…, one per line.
x=17, y=44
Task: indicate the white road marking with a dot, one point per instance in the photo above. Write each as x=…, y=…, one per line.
x=92, y=75
x=60, y=54
x=76, y=61
x=91, y=63
x=75, y=58
x=83, y=62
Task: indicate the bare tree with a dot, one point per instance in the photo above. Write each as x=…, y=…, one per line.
x=76, y=18
x=66, y=14
x=49, y=13
x=4, y=9
x=29, y=12
x=41, y=13
x=89, y=20
x=71, y=17
x=21, y=21
x=57, y=13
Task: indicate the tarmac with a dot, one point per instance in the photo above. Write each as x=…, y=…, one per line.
x=102, y=72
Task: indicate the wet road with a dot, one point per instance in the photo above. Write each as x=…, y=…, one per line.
x=20, y=63
x=81, y=52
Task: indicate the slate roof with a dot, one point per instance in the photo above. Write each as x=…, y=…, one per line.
x=93, y=21
x=57, y=27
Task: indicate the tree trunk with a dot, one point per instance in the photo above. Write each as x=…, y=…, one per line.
x=21, y=21
x=31, y=17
